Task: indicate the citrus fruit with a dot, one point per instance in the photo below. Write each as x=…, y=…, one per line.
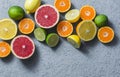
x=87, y=12
x=52, y=39
x=64, y=28
x=73, y=15
x=8, y=29
x=74, y=40
x=31, y=5
x=22, y=47
x=26, y=26
x=47, y=16
x=40, y=34
x=101, y=20
x=105, y=34
x=62, y=5
x=4, y=49
x=86, y=30
x=16, y=12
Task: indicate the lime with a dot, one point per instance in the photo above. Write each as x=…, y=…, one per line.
x=52, y=39
x=101, y=20
x=40, y=34
x=16, y=12
x=86, y=30
x=8, y=29
x=74, y=40
x=73, y=15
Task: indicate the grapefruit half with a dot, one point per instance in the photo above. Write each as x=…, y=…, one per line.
x=46, y=16
x=22, y=47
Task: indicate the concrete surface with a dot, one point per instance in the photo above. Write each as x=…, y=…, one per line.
x=93, y=59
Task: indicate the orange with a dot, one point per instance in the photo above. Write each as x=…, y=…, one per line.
x=87, y=12
x=62, y=5
x=4, y=49
x=26, y=26
x=64, y=28
x=105, y=34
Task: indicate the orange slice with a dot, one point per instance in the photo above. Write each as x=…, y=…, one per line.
x=26, y=26
x=64, y=28
x=62, y=5
x=4, y=49
x=87, y=12
x=105, y=34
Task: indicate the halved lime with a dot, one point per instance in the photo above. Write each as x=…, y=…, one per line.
x=8, y=29
x=52, y=39
x=40, y=34
x=73, y=15
x=86, y=30
x=74, y=40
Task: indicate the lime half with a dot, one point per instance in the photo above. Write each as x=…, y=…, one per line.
x=52, y=39
x=73, y=15
x=86, y=30
x=74, y=40
x=8, y=29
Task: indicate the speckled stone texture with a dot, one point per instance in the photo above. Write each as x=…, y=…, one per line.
x=93, y=59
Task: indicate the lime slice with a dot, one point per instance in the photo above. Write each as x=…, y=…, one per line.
x=73, y=15
x=40, y=34
x=52, y=39
x=74, y=40
x=86, y=30
x=8, y=29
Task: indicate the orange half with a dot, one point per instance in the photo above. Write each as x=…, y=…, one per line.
x=105, y=34
x=87, y=12
x=4, y=49
x=62, y=5
x=26, y=26
x=64, y=28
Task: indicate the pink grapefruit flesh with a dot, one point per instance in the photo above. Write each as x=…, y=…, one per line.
x=22, y=47
x=47, y=16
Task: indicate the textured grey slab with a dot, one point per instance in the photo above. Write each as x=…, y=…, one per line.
x=93, y=59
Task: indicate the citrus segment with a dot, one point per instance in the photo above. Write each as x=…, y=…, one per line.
x=72, y=15
x=4, y=49
x=62, y=5
x=86, y=30
x=52, y=39
x=74, y=40
x=105, y=34
x=22, y=47
x=47, y=16
x=87, y=12
x=64, y=28
x=40, y=34
x=26, y=26
x=8, y=29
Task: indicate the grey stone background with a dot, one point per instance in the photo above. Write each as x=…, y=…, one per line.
x=93, y=59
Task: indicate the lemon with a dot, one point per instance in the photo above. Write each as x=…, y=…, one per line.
x=86, y=30
x=74, y=40
x=8, y=29
x=73, y=15
x=31, y=5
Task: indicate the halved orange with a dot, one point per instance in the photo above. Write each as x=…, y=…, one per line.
x=87, y=12
x=26, y=26
x=4, y=49
x=64, y=28
x=105, y=34
x=62, y=5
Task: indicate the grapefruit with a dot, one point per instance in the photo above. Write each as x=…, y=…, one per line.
x=22, y=47
x=46, y=16
x=8, y=29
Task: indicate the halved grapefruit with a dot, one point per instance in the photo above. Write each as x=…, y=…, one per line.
x=47, y=16
x=22, y=47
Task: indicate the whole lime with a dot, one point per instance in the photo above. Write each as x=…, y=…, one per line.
x=16, y=12
x=101, y=20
